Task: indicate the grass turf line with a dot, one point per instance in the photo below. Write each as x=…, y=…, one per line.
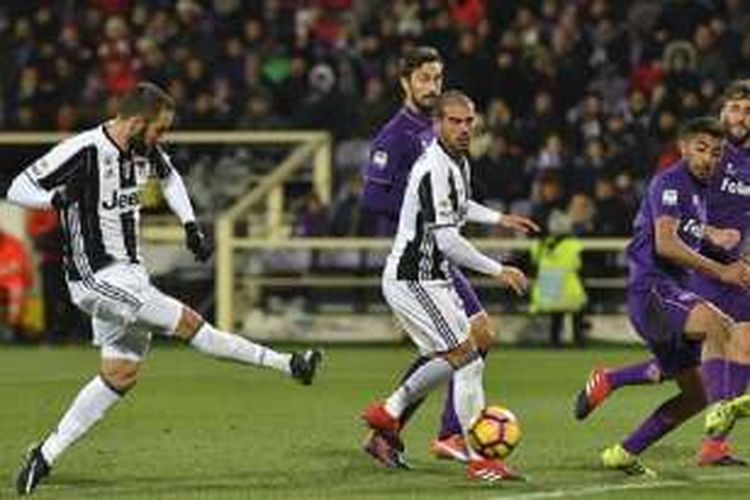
x=198, y=428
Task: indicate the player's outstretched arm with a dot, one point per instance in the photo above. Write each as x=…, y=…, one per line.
x=480, y=214
x=519, y=223
x=177, y=197
x=47, y=183
x=172, y=185
x=460, y=251
x=25, y=192
x=178, y=200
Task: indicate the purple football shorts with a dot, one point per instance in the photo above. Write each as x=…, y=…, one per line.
x=659, y=313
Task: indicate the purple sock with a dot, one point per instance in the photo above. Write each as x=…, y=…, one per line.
x=724, y=380
x=716, y=377
x=650, y=431
x=449, y=424
x=640, y=374
x=739, y=374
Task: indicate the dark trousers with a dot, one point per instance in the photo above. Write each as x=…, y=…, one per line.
x=556, y=327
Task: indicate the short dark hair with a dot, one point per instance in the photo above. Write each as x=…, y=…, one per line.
x=416, y=57
x=702, y=125
x=451, y=97
x=738, y=89
x=145, y=99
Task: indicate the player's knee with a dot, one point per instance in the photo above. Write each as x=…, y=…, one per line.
x=721, y=327
x=482, y=332
x=120, y=375
x=189, y=324
x=707, y=321
x=461, y=355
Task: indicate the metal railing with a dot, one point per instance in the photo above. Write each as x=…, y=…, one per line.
x=310, y=149
x=269, y=192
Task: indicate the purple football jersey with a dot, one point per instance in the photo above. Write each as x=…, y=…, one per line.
x=728, y=198
x=675, y=193
x=728, y=206
x=392, y=153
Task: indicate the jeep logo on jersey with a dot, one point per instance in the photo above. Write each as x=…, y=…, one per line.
x=122, y=200
x=732, y=186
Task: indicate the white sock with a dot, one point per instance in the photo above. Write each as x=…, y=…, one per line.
x=88, y=408
x=423, y=380
x=211, y=341
x=397, y=402
x=468, y=395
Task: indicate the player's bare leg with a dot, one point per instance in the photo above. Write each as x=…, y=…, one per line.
x=205, y=338
x=117, y=377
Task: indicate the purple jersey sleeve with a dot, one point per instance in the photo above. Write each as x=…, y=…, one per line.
x=386, y=173
x=383, y=162
x=728, y=201
x=665, y=197
x=676, y=194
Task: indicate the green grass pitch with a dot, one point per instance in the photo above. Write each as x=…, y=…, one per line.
x=197, y=428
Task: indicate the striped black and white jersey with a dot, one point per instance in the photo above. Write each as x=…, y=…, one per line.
x=101, y=226
x=436, y=196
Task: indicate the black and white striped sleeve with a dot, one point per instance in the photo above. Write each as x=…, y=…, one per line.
x=35, y=186
x=172, y=186
x=161, y=163
x=460, y=251
x=478, y=213
x=436, y=200
x=25, y=192
x=59, y=165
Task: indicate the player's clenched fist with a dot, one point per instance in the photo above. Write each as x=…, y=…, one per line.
x=513, y=278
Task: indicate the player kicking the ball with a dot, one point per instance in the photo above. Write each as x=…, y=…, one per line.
x=418, y=287
x=93, y=179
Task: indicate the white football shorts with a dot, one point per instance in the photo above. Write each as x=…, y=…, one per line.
x=431, y=312
x=125, y=308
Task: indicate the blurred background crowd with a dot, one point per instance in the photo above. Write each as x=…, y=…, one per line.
x=580, y=100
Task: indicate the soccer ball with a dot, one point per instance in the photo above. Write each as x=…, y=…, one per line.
x=495, y=432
